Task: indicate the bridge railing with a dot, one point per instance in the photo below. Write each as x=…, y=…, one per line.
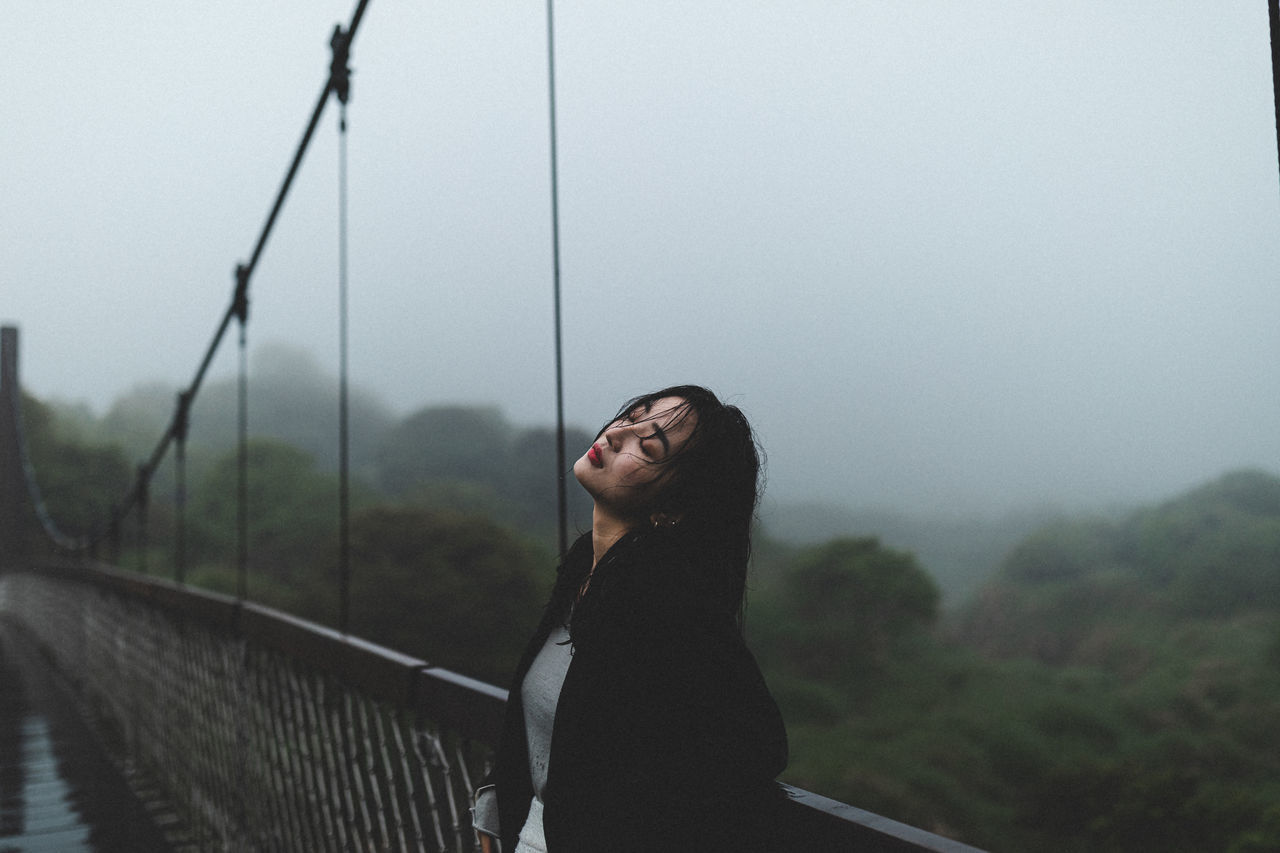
x=268, y=732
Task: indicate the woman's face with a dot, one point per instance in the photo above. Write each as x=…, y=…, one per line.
x=623, y=470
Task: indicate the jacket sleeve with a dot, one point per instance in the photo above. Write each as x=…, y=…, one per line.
x=484, y=814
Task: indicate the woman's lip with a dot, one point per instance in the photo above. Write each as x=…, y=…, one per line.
x=593, y=456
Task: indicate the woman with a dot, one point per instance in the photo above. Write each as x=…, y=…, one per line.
x=638, y=720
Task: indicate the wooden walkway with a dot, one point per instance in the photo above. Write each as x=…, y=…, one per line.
x=58, y=791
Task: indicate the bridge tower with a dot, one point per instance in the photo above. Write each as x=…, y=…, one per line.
x=16, y=512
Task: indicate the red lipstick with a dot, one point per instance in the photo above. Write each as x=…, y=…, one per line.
x=593, y=456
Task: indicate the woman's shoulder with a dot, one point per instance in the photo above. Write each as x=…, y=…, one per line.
x=646, y=568
x=645, y=586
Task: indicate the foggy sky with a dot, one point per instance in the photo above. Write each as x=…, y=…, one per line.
x=971, y=255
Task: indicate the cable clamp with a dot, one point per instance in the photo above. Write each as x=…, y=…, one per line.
x=339, y=71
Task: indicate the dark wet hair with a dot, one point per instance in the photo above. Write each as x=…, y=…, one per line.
x=709, y=486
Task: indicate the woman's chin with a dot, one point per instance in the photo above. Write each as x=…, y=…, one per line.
x=581, y=468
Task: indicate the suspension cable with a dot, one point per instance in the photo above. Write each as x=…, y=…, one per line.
x=562, y=496
x=244, y=273
x=11, y=387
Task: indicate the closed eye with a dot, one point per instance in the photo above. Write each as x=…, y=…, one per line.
x=660, y=434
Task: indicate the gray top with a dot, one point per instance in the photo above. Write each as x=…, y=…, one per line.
x=540, y=693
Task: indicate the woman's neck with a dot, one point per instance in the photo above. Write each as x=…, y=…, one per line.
x=606, y=530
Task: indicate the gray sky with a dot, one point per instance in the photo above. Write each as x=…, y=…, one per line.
x=945, y=254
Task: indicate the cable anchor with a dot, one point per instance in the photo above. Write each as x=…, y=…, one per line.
x=240, y=302
x=339, y=71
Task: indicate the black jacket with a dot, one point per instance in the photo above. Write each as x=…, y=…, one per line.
x=666, y=737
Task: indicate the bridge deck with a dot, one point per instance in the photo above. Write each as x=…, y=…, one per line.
x=58, y=792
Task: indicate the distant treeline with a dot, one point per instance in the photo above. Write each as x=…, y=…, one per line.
x=1113, y=685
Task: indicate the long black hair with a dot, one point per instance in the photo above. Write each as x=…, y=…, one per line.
x=709, y=488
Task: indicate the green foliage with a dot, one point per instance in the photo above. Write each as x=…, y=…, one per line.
x=444, y=443
x=1061, y=551
x=137, y=420
x=457, y=590
x=1113, y=689
x=960, y=551
x=78, y=481
x=292, y=511
x=1212, y=553
x=441, y=454
x=467, y=457
x=291, y=400
x=1117, y=709
x=858, y=580
x=294, y=401
x=1217, y=547
x=842, y=608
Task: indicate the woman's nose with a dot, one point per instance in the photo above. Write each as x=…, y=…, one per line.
x=617, y=434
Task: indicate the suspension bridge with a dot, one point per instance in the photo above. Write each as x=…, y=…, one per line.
x=140, y=713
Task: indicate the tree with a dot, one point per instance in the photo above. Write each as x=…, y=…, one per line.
x=845, y=607
x=292, y=400
x=1063, y=551
x=471, y=458
x=78, y=481
x=468, y=443
x=532, y=484
x=292, y=508
x=456, y=590
x=137, y=419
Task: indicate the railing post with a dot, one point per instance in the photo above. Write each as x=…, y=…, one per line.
x=113, y=537
x=15, y=505
x=144, y=495
x=181, y=425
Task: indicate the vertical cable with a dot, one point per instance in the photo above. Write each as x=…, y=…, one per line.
x=180, y=485
x=340, y=85
x=241, y=309
x=344, y=437
x=180, y=511
x=242, y=474
x=562, y=498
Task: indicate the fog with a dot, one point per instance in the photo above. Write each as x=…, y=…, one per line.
x=969, y=256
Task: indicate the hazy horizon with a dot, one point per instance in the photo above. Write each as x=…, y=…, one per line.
x=303, y=366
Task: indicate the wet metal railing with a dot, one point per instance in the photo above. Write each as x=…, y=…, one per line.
x=267, y=732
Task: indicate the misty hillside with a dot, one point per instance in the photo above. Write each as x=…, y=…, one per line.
x=961, y=551
x=472, y=456
x=1113, y=685
x=1081, y=592
x=291, y=399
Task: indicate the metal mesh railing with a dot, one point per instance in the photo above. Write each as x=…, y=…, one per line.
x=268, y=733
x=256, y=746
